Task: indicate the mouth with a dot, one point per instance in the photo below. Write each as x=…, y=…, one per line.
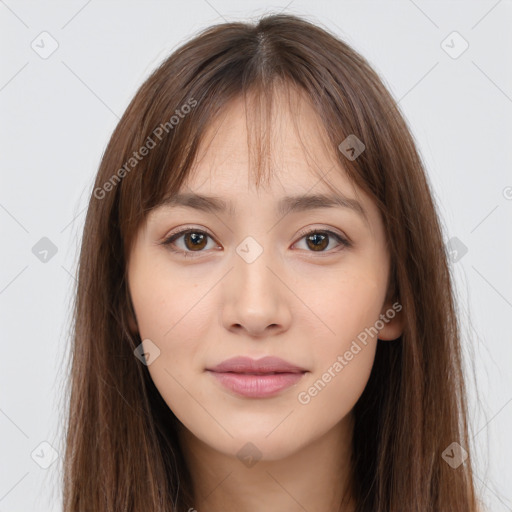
x=263, y=378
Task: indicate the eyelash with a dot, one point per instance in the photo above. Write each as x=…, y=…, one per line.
x=192, y=254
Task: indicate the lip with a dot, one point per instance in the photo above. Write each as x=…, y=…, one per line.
x=261, y=378
x=265, y=365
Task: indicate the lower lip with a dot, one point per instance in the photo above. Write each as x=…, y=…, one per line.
x=257, y=386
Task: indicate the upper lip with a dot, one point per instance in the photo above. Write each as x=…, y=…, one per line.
x=262, y=366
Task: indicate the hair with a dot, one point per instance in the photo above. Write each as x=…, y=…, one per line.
x=121, y=448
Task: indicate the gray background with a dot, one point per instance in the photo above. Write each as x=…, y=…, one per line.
x=57, y=116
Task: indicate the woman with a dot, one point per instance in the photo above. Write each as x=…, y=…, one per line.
x=264, y=315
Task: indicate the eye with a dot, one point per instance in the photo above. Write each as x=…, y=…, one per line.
x=195, y=240
x=317, y=240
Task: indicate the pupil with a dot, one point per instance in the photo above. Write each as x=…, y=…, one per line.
x=196, y=238
x=322, y=239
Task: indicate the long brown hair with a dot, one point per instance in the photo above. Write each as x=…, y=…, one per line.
x=122, y=452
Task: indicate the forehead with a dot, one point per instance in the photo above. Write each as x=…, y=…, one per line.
x=281, y=128
x=301, y=169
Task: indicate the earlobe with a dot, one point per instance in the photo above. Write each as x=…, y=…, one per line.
x=392, y=317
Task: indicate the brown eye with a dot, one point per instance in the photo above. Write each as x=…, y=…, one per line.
x=194, y=241
x=318, y=240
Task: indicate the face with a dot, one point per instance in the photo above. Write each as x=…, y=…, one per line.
x=252, y=281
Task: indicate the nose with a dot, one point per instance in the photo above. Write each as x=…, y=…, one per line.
x=256, y=298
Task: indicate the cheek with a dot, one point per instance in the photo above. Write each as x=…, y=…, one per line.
x=172, y=313
x=332, y=392
x=163, y=299
x=344, y=358
x=346, y=303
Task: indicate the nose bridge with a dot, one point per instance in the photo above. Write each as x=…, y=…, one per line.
x=253, y=275
x=255, y=298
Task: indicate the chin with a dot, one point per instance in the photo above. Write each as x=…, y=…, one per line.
x=251, y=445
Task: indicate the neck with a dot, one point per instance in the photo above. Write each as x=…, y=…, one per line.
x=315, y=478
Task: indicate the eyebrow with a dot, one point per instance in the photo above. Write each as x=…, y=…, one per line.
x=285, y=205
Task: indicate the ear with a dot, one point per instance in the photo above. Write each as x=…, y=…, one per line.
x=393, y=319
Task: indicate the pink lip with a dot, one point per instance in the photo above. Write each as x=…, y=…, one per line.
x=260, y=378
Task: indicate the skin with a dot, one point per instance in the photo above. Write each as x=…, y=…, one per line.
x=304, y=306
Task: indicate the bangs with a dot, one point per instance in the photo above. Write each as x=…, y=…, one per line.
x=176, y=144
